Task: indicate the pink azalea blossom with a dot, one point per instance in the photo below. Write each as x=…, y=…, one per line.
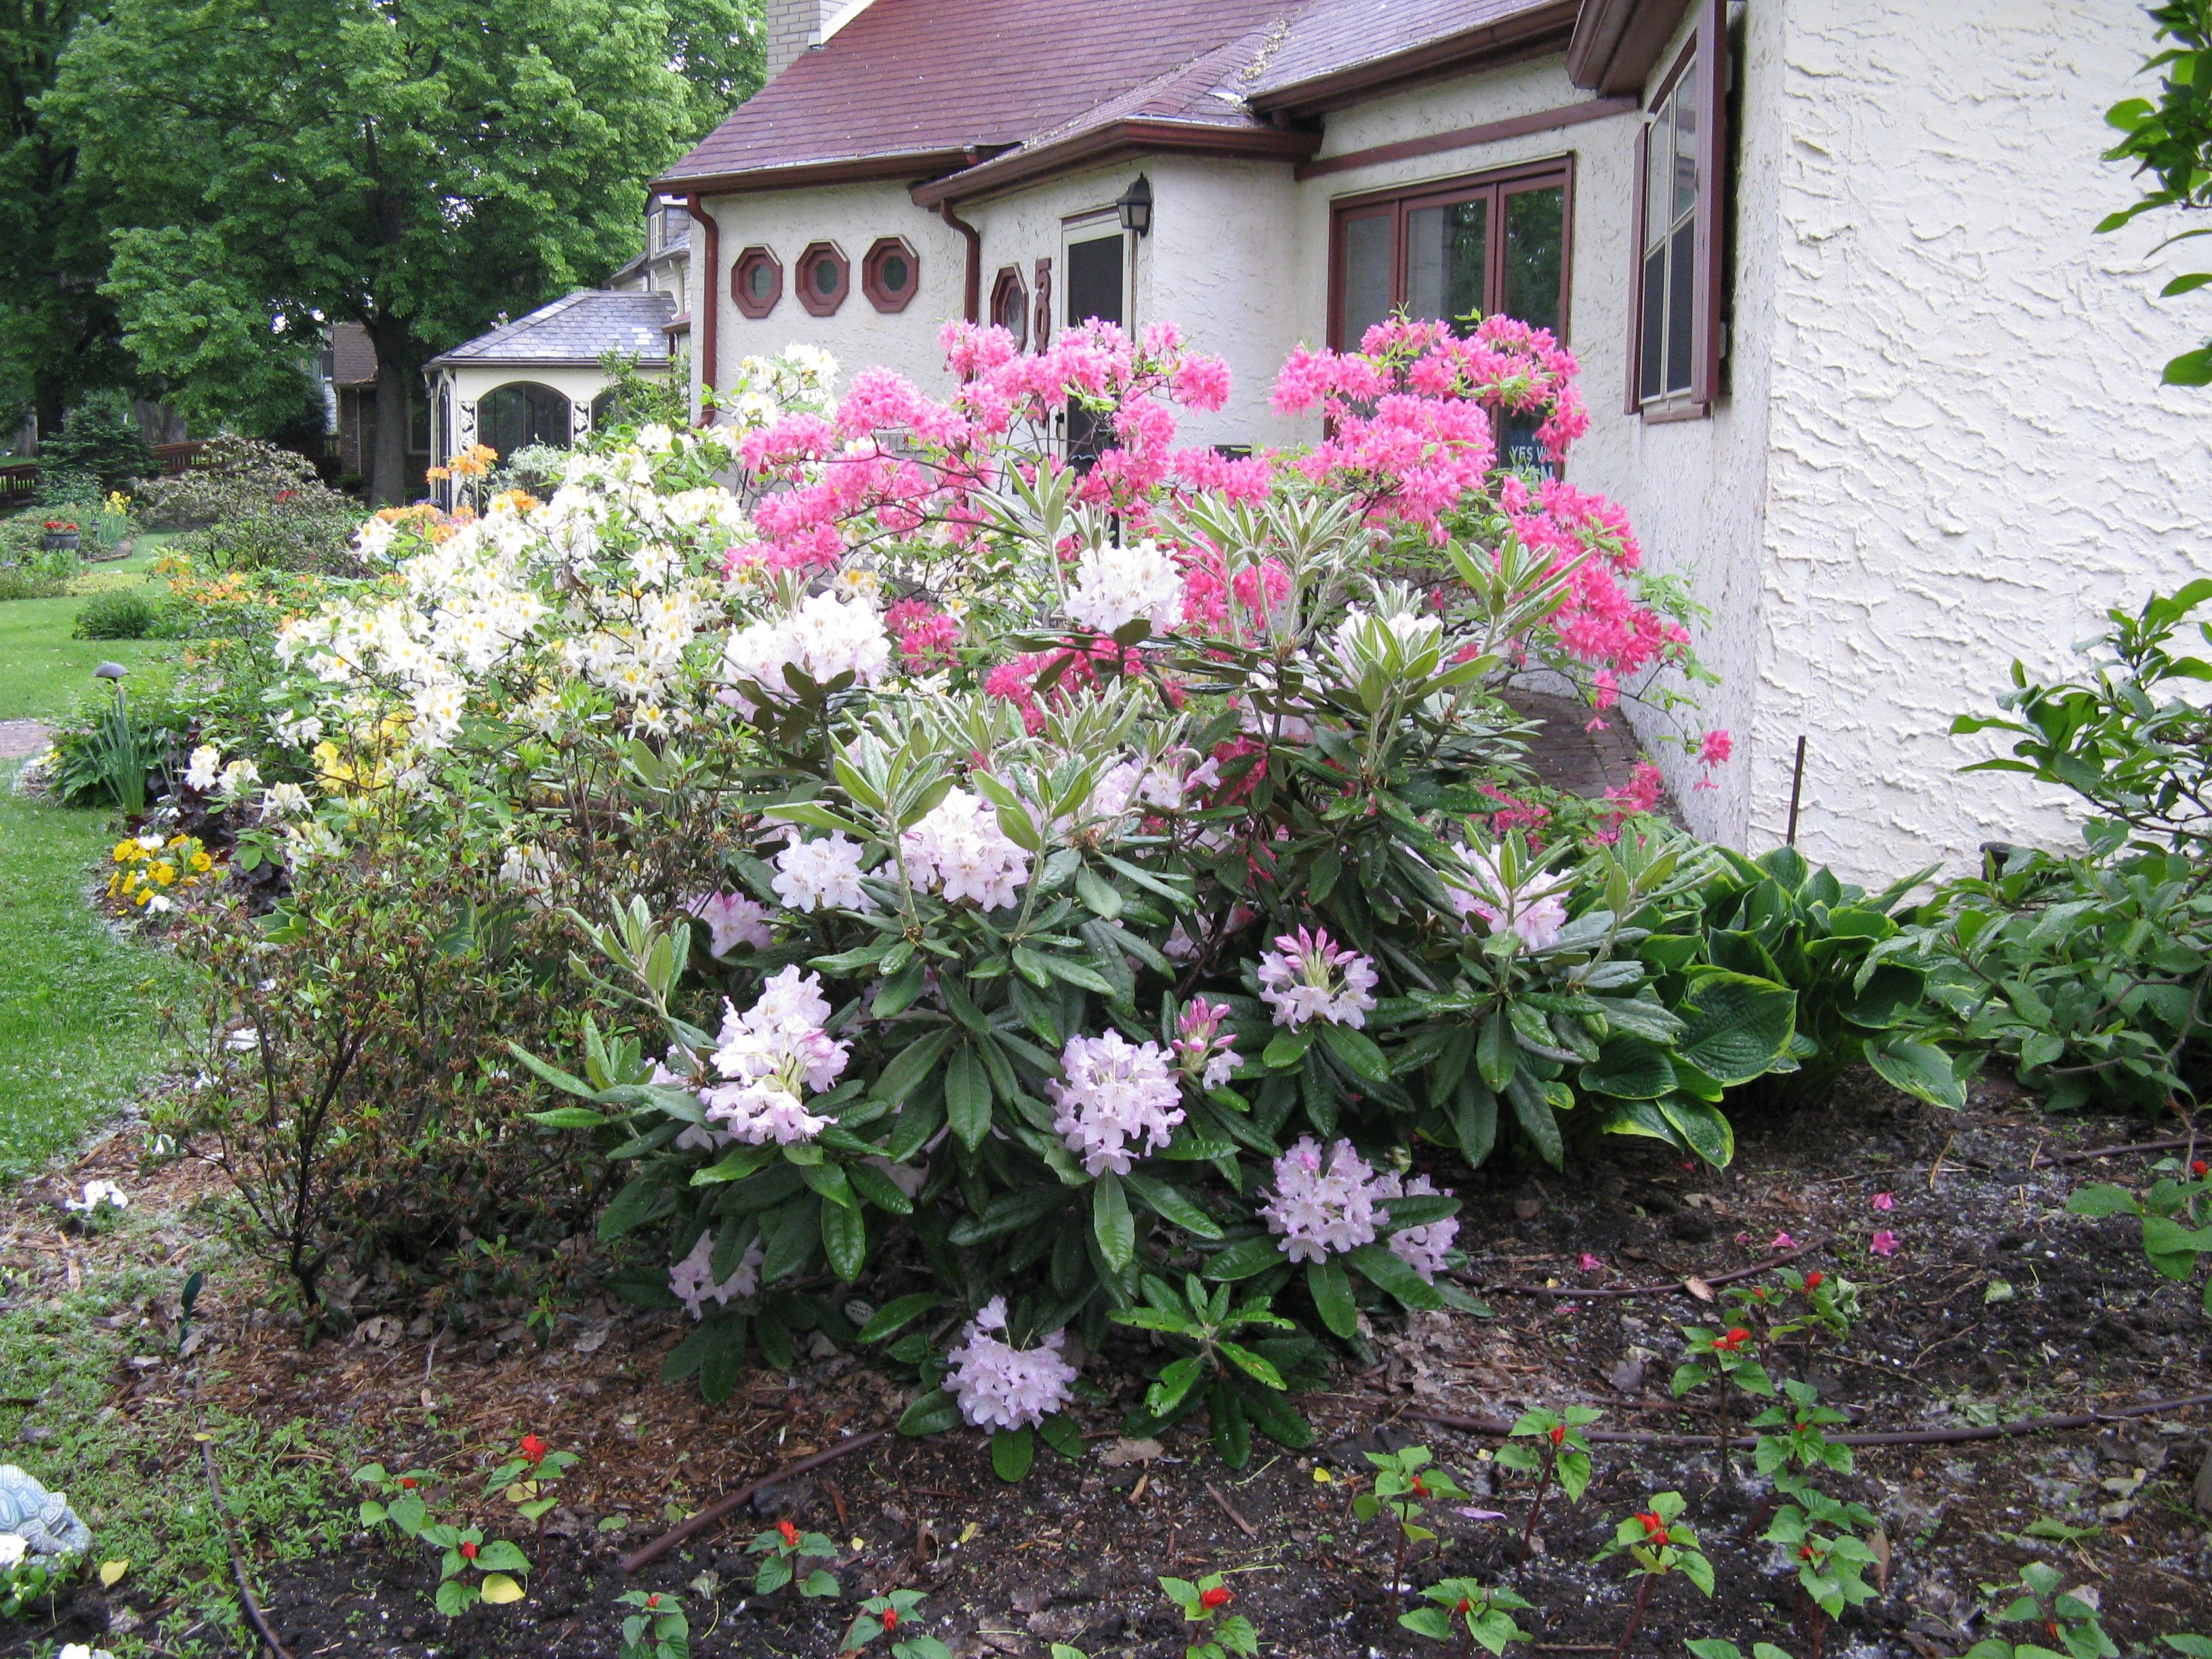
x=1883, y=1202
x=1781, y=1241
x=1883, y=1243
x=1590, y=1264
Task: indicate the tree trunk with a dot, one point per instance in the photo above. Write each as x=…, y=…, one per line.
x=389, y=484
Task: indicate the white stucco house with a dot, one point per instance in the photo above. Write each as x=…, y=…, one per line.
x=1859, y=370
x=540, y=379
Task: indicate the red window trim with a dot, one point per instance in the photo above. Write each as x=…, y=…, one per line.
x=1400, y=199
x=881, y=298
x=816, y=303
x=746, y=305
x=1706, y=54
x=1009, y=281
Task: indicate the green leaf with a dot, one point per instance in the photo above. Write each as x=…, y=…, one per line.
x=1245, y=1259
x=1628, y=1068
x=1537, y=1118
x=1383, y=1269
x=2102, y=1199
x=1173, y=1204
x=1012, y=1451
x=571, y=1117
x=1110, y=1220
x=914, y=1062
x=1496, y=1054
x=1742, y=1026
x=1286, y=1049
x=935, y=1412
x=968, y=1096
x=1095, y=891
x=1918, y=1070
x=844, y=1239
x=1704, y=1126
x=500, y=1556
x=829, y=1180
x=896, y=1315
x=566, y=1082
x=1356, y=1051
x=1332, y=1294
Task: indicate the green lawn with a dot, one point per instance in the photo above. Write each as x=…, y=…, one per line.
x=77, y=1026
x=43, y=672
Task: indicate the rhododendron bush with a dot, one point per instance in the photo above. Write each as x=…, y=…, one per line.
x=1038, y=886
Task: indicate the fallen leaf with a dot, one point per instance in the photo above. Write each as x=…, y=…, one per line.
x=1123, y=1453
x=969, y=1531
x=111, y=1571
x=1698, y=1288
x=498, y=1589
x=1878, y=1547
x=1627, y=1376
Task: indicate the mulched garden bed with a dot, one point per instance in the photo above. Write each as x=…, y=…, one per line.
x=1995, y=1306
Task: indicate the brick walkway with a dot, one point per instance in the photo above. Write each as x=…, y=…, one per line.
x=1573, y=760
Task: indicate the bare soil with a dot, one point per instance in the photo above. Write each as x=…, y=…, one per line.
x=1071, y=1555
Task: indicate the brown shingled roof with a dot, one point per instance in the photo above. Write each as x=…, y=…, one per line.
x=918, y=90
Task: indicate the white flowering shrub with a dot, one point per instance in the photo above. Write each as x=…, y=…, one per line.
x=1042, y=886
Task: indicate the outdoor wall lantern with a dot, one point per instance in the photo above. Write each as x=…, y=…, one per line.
x=1135, y=204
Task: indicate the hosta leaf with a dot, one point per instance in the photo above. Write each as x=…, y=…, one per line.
x=1628, y=1068
x=1740, y=1026
x=1918, y=1070
x=1704, y=1126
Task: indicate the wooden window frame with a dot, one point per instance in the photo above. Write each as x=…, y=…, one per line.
x=1400, y=199
x=1008, y=282
x=1705, y=55
x=816, y=303
x=872, y=283
x=740, y=290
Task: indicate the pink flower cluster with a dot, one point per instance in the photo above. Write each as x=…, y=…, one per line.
x=1308, y=975
x=927, y=638
x=1324, y=1205
x=1118, y=1101
x=1000, y=1386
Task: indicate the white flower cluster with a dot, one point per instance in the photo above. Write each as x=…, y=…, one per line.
x=692, y=1279
x=1536, y=917
x=98, y=1194
x=1309, y=976
x=821, y=875
x=1114, y=586
x=774, y=1054
x=1322, y=1207
x=1116, y=1094
x=797, y=380
x=1360, y=639
x=957, y=847
x=1163, y=783
x=731, y=919
x=1002, y=1387
x=825, y=637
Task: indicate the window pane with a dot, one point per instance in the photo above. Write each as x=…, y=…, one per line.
x=1658, y=164
x=1649, y=381
x=1447, y=261
x=1682, y=261
x=1685, y=142
x=1094, y=280
x=1366, y=298
x=1536, y=234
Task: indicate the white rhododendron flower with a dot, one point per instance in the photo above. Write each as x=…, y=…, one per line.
x=774, y=1054
x=731, y=919
x=1114, y=586
x=1116, y=1095
x=1319, y=1207
x=97, y=1192
x=203, y=769
x=821, y=875
x=1533, y=913
x=692, y=1279
x=1309, y=976
x=826, y=636
x=958, y=849
x=1002, y=1387
x=284, y=800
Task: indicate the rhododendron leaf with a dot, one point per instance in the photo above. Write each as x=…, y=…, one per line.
x=878, y=1188
x=568, y=1083
x=1287, y=1048
x=1112, y=1224
x=1078, y=974
x=1243, y=1260
x=1258, y=1367
x=1179, y=890
x=968, y=1097
x=1031, y=966
x=791, y=1231
x=1387, y=1272
x=571, y=1117
x=1332, y=1294
x=1012, y=1451
x=1063, y=1434
x=736, y=1164
x=914, y=1062
x=1173, y=1204
x=1494, y=1055
x=1417, y=1209
x=1356, y=1051
x=1098, y=893
x=844, y=1240
x=931, y=1414
x=646, y=1199
x=829, y=1180
x=897, y=994
x=1533, y=1111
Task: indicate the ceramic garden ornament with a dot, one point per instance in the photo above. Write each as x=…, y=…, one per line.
x=42, y=1519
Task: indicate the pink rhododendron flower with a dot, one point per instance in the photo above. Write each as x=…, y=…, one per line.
x=1781, y=1241
x=1588, y=1263
x=1883, y=1201
x=1309, y=976
x=1883, y=1243
x=1119, y=1100
x=1203, y=1048
x=774, y=1054
x=692, y=1281
x=1426, y=1248
x=731, y=919
x=1319, y=1207
x=957, y=847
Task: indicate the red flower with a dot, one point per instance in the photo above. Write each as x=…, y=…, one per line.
x=1654, y=1529
x=1420, y=1488
x=1735, y=1339
x=1813, y=1282
x=891, y=1618
x=2199, y=1168
x=790, y=1535
x=407, y=1481
x=533, y=1449
x=1465, y=1605
x=1218, y=1596
x=1559, y=1434
x=468, y=1551
x=1804, y=1551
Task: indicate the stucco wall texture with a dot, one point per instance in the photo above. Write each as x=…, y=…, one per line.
x=1970, y=454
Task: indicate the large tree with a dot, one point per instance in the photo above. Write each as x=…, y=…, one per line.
x=58, y=332
x=416, y=166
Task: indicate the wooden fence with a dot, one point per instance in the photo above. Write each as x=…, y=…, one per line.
x=19, y=484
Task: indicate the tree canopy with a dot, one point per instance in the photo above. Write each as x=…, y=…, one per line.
x=265, y=166
x=2171, y=143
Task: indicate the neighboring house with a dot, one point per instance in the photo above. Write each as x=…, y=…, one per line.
x=349, y=365
x=539, y=380
x=1858, y=367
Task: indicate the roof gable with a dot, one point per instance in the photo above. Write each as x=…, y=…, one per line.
x=576, y=328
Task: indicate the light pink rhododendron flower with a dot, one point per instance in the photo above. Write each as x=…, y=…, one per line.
x=1119, y=1100
x=1309, y=976
x=1320, y=1206
x=731, y=919
x=1002, y=1387
x=692, y=1279
x=958, y=849
x=774, y=1054
x=1203, y=1047
x=824, y=874
x=1426, y=1248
